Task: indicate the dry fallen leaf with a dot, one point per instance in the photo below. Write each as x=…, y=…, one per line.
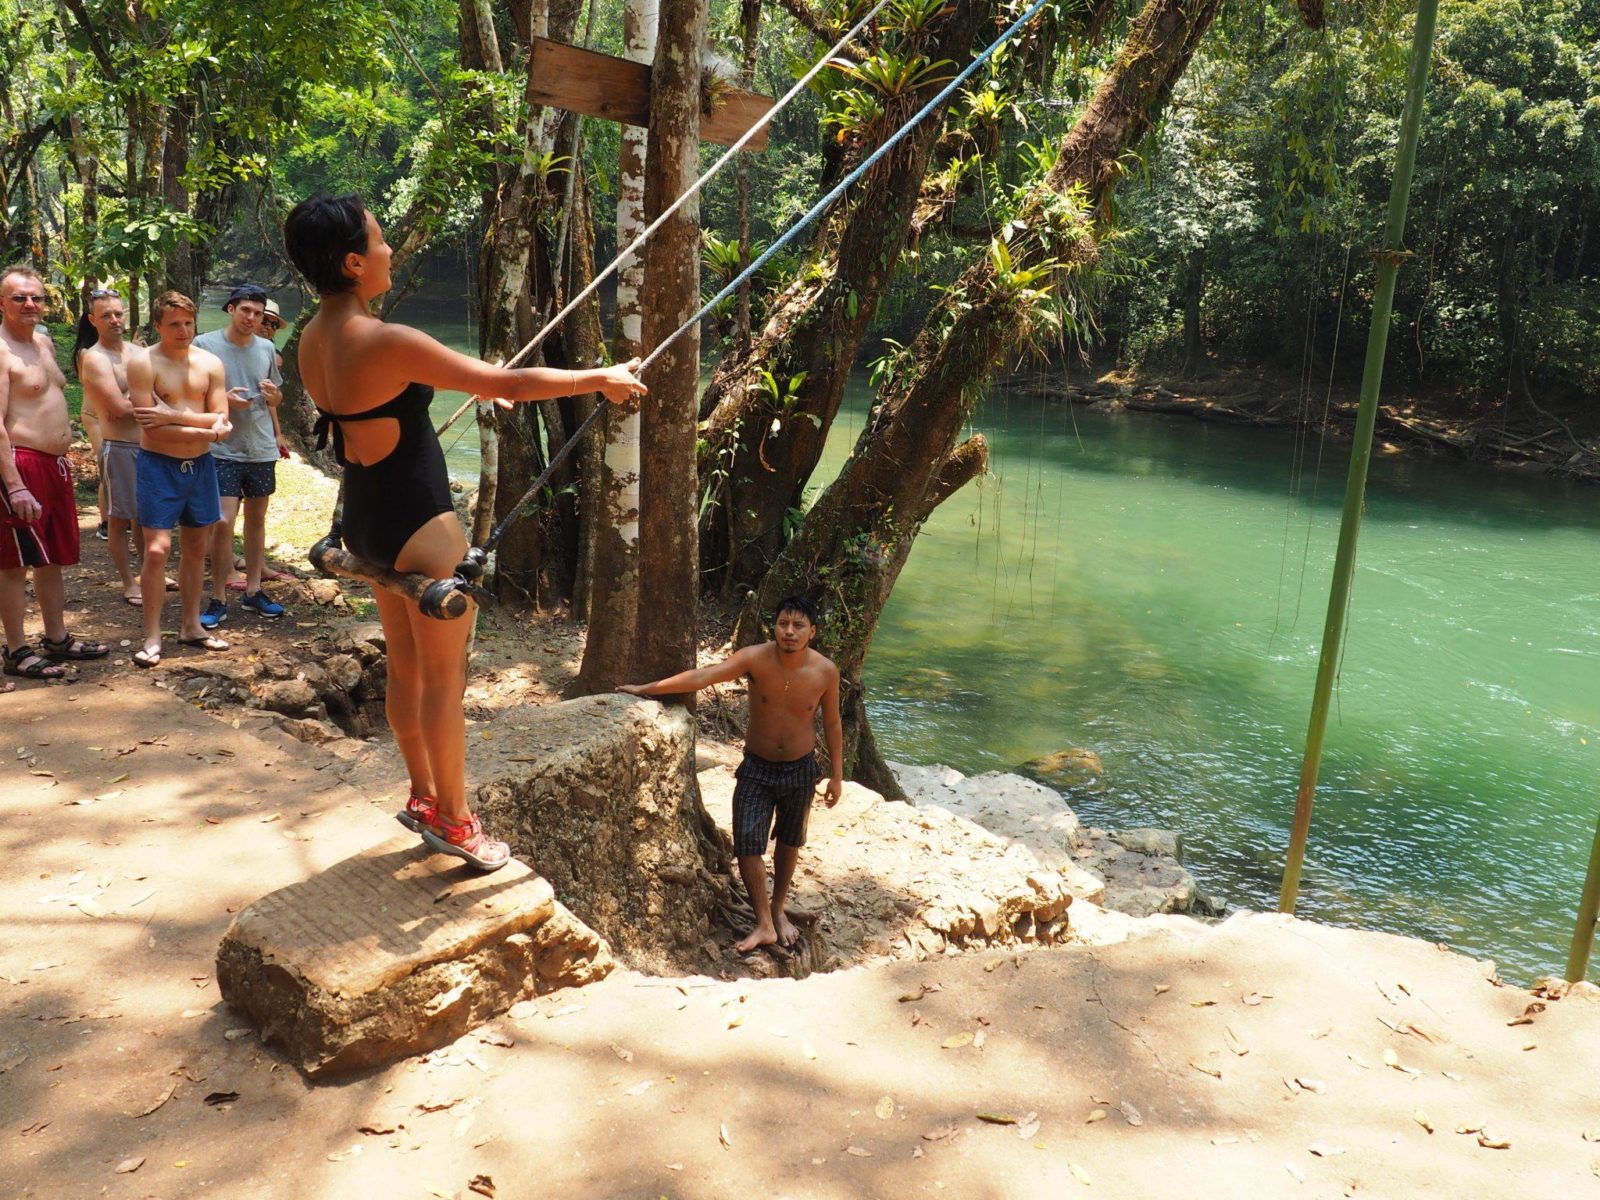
x=884, y=1108
x=159, y=1101
x=14, y=1060
x=1163, y=987
x=1028, y=1128
x=858, y=1152
x=722, y=1136
x=1205, y=1070
x=30, y=1130
x=624, y=1055
x=1300, y=1176
x=1131, y=1114
x=1078, y=1173
x=1315, y=1086
x=1325, y=1151
x=956, y=1040
x=1098, y=1114
x=979, y=1038
x=1492, y=1143
x=640, y=1088
x=1226, y=1139
x=1591, y=1135
x=997, y=1118
x=216, y=1098
x=481, y=1184
x=346, y=1154
x=1201, y=1003
x=376, y=1128
x=438, y=1104
x=1422, y=1120
x=1233, y=1042
x=129, y=1165
x=939, y=1134
x=495, y=1037
x=736, y=1020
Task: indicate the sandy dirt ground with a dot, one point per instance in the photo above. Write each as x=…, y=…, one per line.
x=1263, y=1058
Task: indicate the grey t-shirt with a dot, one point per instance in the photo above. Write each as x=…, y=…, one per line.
x=245, y=367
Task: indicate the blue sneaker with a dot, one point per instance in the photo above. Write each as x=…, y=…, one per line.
x=216, y=612
x=262, y=605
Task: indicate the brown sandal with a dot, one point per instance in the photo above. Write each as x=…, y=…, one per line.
x=27, y=664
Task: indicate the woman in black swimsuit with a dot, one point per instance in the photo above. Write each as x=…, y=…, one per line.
x=372, y=381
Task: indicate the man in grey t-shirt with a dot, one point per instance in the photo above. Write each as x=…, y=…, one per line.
x=247, y=460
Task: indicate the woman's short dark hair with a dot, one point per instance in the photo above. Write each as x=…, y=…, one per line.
x=320, y=231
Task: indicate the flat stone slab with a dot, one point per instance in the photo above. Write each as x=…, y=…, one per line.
x=397, y=951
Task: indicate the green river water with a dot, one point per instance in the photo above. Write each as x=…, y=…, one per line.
x=1154, y=589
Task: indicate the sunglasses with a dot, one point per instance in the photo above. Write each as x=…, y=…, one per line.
x=26, y=298
x=105, y=294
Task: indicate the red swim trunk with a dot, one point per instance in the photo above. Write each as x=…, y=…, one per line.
x=52, y=540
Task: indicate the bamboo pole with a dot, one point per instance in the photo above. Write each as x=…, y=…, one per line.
x=1583, y=934
x=1389, y=259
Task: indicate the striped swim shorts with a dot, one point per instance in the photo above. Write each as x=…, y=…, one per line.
x=765, y=787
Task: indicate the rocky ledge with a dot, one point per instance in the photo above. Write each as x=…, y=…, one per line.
x=1139, y=872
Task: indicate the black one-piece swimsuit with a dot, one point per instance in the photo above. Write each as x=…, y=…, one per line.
x=387, y=501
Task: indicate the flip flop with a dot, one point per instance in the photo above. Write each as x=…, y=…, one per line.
x=172, y=585
x=204, y=642
x=133, y=601
x=272, y=574
x=146, y=658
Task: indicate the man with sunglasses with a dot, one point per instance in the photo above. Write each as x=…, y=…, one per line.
x=40, y=516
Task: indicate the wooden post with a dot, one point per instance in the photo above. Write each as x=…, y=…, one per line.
x=668, y=480
x=1355, y=489
x=1583, y=935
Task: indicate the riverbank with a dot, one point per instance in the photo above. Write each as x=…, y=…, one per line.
x=1142, y=1057
x=1518, y=436
x=1130, y=1055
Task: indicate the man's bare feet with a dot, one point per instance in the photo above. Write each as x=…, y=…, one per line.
x=788, y=935
x=762, y=935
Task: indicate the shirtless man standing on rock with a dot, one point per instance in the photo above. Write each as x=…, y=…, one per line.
x=788, y=680
x=180, y=400
x=40, y=526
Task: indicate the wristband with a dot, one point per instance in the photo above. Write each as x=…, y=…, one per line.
x=17, y=491
x=574, y=390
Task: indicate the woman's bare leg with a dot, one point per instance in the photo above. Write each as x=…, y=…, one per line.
x=441, y=659
x=403, y=694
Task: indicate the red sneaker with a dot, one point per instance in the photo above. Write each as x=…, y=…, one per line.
x=466, y=841
x=420, y=813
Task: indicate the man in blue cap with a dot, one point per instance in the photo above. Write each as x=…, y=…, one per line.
x=247, y=460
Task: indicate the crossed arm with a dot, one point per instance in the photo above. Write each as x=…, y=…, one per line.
x=211, y=425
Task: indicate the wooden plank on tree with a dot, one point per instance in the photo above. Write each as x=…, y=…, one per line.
x=614, y=89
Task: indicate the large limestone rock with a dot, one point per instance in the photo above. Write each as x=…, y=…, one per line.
x=1135, y=871
x=397, y=951
x=1014, y=809
x=889, y=880
x=599, y=794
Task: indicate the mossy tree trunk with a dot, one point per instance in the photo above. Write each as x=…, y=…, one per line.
x=910, y=457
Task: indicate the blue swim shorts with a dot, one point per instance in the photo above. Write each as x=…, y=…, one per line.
x=177, y=491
